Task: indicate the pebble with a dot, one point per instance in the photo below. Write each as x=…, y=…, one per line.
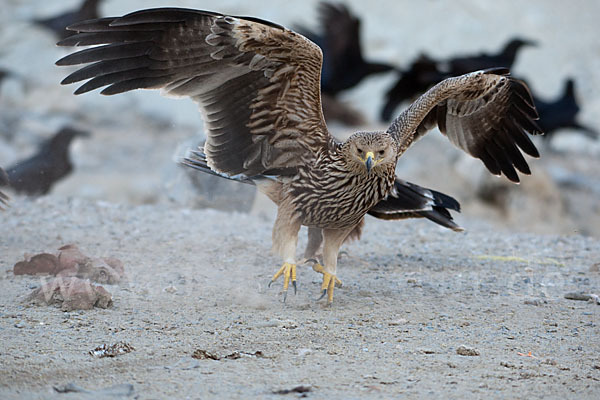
x=277, y=323
x=535, y=302
x=466, y=351
x=170, y=289
x=304, y=352
x=583, y=297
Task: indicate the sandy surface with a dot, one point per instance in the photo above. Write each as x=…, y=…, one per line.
x=196, y=279
x=413, y=293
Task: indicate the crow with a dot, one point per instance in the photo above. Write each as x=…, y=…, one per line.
x=343, y=63
x=506, y=58
x=561, y=113
x=59, y=23
x=4, y=74
x=36, y=175
x=422, y=74
x=426, y=72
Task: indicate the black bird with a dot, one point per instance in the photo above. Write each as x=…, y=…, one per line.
x=343, y=63
x=506, y=58
x=37, y=174
x=3, y=182
x=561, y=113
x=422, y=74
x=426, y=72
x=4, y=74
x=59, y=23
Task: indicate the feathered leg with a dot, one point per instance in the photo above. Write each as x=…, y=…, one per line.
x=334, y=238
x=315, y=239
x=285, y=241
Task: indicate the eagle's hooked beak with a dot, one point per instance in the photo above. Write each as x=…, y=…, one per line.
x=369, y=161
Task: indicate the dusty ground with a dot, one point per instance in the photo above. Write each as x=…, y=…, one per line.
x=413, y=293
x=196, y=279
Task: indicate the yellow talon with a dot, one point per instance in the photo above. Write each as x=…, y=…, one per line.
x=289, y=273
x=328, y=286
x=320, y=269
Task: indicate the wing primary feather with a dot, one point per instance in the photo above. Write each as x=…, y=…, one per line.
x=513, y=153
x=502, y=160
x=107, y=52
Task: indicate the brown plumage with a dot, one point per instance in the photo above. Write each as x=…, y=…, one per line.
x=257, y=85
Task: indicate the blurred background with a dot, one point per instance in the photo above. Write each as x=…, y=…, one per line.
x=126, y=147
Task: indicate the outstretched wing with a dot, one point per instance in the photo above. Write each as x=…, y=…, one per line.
x=488, y=114
x=256, y=83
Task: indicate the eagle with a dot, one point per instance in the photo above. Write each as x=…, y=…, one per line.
x=257, y=85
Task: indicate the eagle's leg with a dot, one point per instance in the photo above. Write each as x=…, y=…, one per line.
x=288, y=270
x=333, y=241
x=320, y=269
x=285, y=240
x=315, y=239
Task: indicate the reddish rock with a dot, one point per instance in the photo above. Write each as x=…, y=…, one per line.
x=40, y=264
x=72, y=293
x=71, y=262
x=99, y=270
x=116, y=265
x=70, y=257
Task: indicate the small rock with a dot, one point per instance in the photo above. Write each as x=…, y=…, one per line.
x=40, y=264
x=170, y=289
x=70, y=257
x=122, y=390
x=466, y=351
x=535, y=302
x=70, y=261
x=508, y=365
x=277, y=323
x=72, y=294
x=397, y=322
x=239, y=354
x=114, y=350
x=272, y=323
x=304, y=352
x=591, y=297
x=102, y=270
x=200, y=354
x=297, y=389
x=288, y=324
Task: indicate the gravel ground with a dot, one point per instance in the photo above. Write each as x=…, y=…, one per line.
x=413, y=294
